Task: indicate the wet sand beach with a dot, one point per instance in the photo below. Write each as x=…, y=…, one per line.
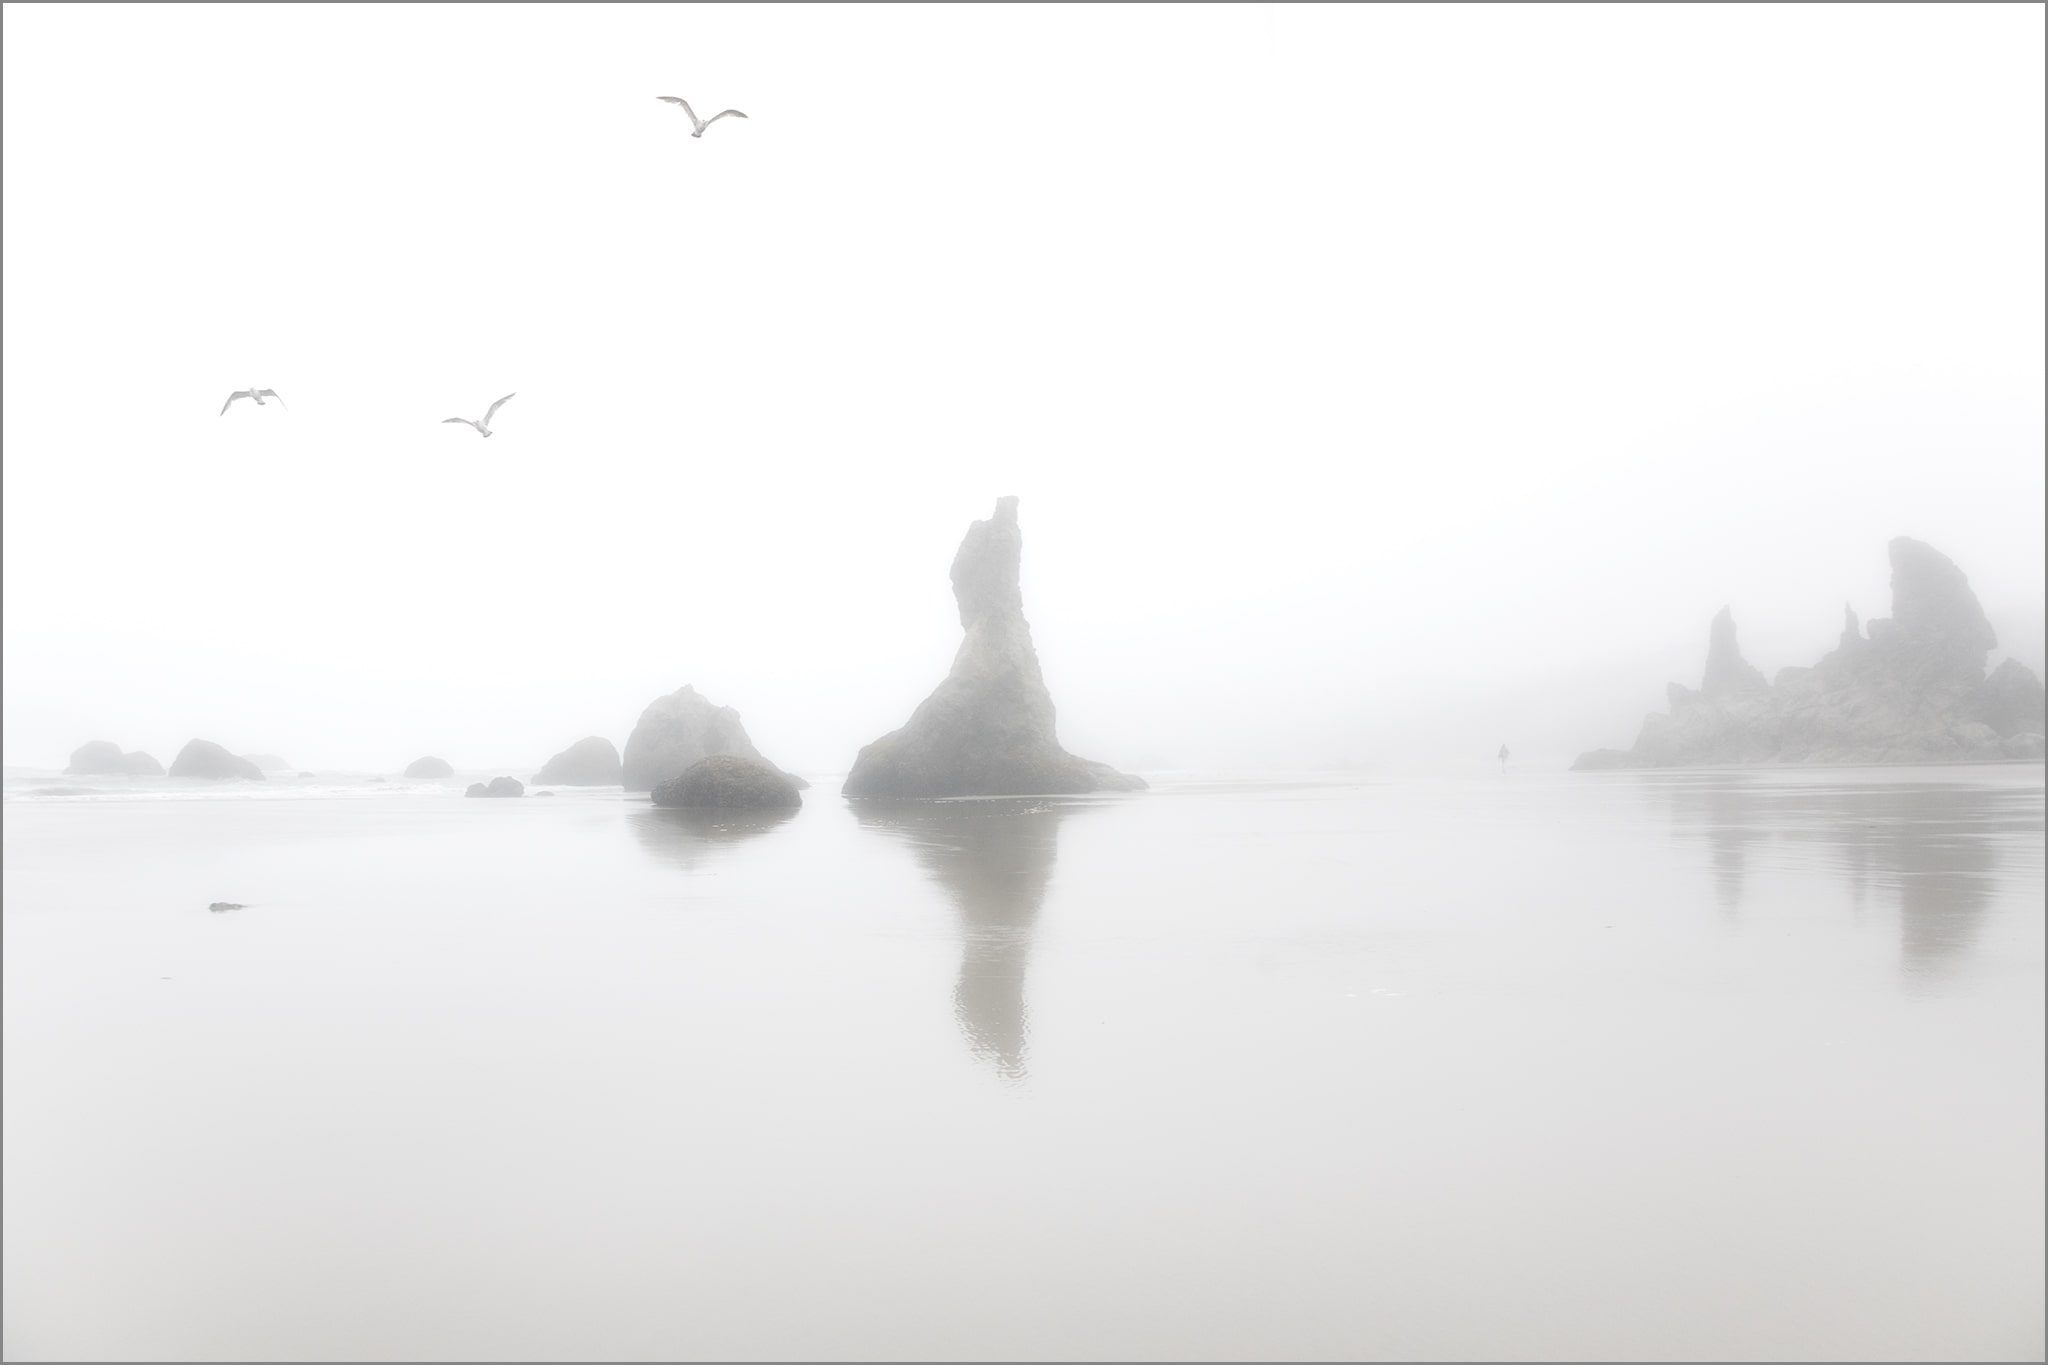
x=1738, y=1064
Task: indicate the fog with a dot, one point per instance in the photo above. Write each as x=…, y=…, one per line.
x=1380, y=384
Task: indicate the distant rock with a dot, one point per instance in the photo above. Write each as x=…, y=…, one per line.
x=727, y=780
x=94, y=758
x=676, y=732
x=219, y=906
x=987, y=730
x=1913, y=690
x=204, y=758
x=2011, y=702
x=429, y=767
x=269, y=763
x=499, y=786
x=590, y=762
x=100, y=758
x=543, y=793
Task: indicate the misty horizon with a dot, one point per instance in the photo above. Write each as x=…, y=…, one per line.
x=1428, y=736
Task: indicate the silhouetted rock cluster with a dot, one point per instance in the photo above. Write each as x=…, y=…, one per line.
x=591, y=762
x=204, y=758
x=498, y=786
x=679, y=730
x=102, y=758
x=987, y=730
x=728, y=780
x=1912, y=690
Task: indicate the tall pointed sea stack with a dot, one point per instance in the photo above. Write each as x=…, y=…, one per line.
x=987, y=730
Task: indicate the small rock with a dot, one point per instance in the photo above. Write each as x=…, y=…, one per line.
x=219, y=906
x=729, y=780
x=499, y=786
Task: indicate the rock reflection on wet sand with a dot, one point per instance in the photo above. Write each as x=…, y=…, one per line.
x=1930, y=849
x=686, y=835
x=994, y=859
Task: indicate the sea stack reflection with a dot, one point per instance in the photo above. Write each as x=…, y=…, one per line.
x=993, y=859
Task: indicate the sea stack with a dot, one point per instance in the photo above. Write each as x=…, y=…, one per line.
x=101, y=758
x=589, y=762
x=678, y=731
x=204, y=758
x=1911, y=691
x=987, y=730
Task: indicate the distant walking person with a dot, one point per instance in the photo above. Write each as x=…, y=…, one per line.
x=1503, y=760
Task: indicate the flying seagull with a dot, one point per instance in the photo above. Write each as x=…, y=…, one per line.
x=699, y=123
x=258, y=394
x=485, y=425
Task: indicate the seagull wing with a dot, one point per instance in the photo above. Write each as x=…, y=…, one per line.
x=495, y=406
x=695, y=122
x=269, y=393
x=464, y=420
x=716, y=117
x=238, y=393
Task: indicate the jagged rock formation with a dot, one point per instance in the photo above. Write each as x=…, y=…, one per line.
x=269, y=763
x=102, y=758
x=429, y=767
x=1912, y=690
x=728, y=780
x=499, y=786
x=1728, y=672
x=204, y=758
x=591, y=762
x=987, y=730
x=679, y=730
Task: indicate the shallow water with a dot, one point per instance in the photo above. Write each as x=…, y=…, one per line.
x=1595, y=1066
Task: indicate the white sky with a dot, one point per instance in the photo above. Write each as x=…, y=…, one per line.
x=1377, y=381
